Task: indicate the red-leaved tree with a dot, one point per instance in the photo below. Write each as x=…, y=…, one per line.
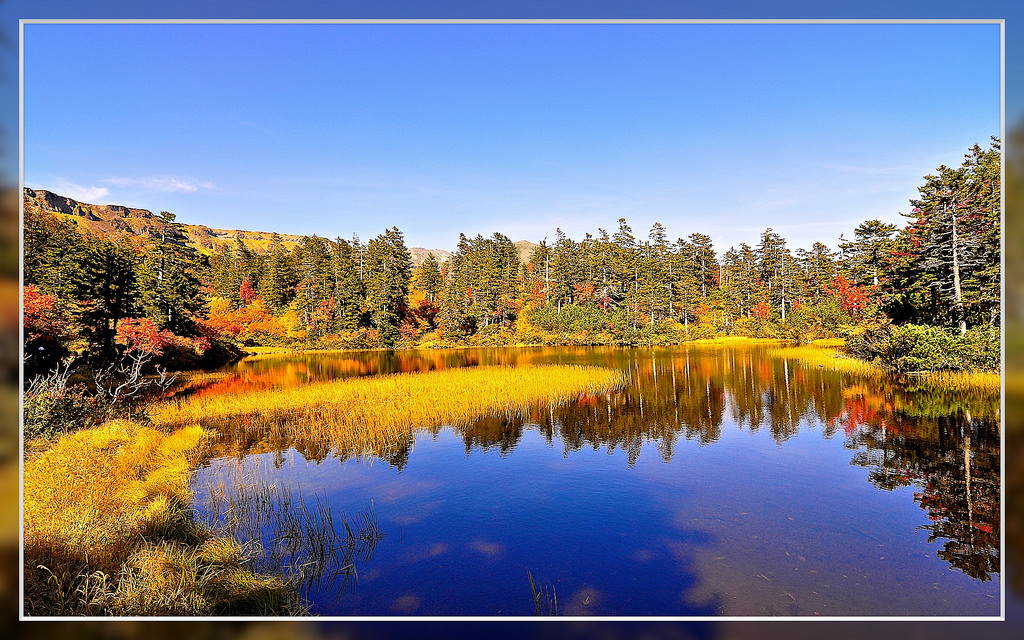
x=141, y=342
x=852, y=299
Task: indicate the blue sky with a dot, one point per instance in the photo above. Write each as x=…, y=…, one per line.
x=335, y=129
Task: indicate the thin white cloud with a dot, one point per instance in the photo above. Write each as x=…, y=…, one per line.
x=83, y=194
x=162, y=184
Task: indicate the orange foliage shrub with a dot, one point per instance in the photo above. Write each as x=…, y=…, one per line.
x=252, y=323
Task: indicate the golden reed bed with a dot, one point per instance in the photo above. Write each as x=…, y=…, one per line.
x=828, y=354
x=367, y=414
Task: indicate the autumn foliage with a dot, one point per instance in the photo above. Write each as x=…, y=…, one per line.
x=853, y=299
x=251, y=323
x=140, y=335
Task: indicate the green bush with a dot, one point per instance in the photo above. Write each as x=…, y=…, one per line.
x=664, y=333
x=834, y=321
x=753, y=328
x=912, y=347
x=702, y=332
x=573, y=318
x=979, y=349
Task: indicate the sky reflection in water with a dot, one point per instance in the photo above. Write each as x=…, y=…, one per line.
x=721, y=481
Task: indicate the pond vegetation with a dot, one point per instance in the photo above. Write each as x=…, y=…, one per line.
x=371, y=414
x=295, y=537
x=109, y=530
x=891, y=341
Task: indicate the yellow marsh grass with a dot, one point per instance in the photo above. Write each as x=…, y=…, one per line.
x=828, y=353
x=94, y=492
x=366, y=414
x=987, y=381
x=108, y=531
x=829, y=356
x=730, y=340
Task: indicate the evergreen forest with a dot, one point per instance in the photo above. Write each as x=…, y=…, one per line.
x=922, y=296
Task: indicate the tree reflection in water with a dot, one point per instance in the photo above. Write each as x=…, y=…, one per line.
x=907, y=434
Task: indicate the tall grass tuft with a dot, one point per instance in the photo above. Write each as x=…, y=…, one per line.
x=372, y=414
x=95, y=492
x=108, y=530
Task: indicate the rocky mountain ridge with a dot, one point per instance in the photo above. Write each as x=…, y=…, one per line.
x=118, y=220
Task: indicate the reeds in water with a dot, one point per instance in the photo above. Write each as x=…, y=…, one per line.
x=371, y=414
x=961, y=381
x=829, y=354
x=297, y=538
x=545, y=603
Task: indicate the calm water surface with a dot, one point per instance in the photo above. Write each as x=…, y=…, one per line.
x=720, y=481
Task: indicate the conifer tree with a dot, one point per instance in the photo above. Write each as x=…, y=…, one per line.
x=388, y=271
x=984, y=184
x=819, y=266
x=313, y=295
x=773, y=260
x=427, y=278
x=955, y=237
x=626, y=268
x=53, y=253
x=347, y=290
x=655, y=283
x=504, y=272
x=566, y=269
x=277, y=288
x=169, y=278
x=865, y=257
x=540, y=263
x=107, y=287
x=704, y=263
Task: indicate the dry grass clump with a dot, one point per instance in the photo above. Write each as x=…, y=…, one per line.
x=96, y=491
x=109, y=531
x=828, y=354
x=367, y=414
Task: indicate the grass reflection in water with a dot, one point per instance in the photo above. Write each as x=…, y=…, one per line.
x=374, y=414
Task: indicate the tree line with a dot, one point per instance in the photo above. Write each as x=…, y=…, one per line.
x=620, y=287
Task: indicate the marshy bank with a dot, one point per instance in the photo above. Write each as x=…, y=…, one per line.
x=110, y=527
x=109, y=530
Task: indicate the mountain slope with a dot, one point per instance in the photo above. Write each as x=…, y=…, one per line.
x=117, y=220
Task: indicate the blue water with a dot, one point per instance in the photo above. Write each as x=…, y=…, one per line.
x=742, y=487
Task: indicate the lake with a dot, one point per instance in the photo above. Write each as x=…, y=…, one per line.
x=720, y=481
